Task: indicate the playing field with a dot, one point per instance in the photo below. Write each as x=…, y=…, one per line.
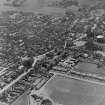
x=67, y=91
x=90, y=68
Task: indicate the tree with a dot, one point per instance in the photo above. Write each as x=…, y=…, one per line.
x=27, y=62
x=46, y=102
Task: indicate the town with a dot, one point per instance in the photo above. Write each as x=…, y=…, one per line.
x=36, y=47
